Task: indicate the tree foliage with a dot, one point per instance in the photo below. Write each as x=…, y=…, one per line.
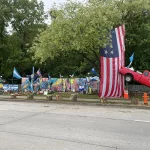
x=83, y=28
x=136, y=15
x=25, y=18
x=71, y=42
x=79, y=28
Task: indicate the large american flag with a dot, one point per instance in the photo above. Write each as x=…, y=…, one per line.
x=112, y=59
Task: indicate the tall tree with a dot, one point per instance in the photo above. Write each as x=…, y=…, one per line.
x=84, y=29
x=79, y=28
x=136, y=15
x=27, y=21
x=5, y=16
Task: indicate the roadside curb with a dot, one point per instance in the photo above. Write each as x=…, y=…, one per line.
x=78, y=103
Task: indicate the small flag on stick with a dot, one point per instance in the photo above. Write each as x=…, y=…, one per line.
x=16, y=74
x=39, y=72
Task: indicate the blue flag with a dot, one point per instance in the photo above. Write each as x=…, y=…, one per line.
x=16, y=74
x=93, y=71
x=131, y=58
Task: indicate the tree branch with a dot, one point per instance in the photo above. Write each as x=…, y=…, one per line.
x=88, y=59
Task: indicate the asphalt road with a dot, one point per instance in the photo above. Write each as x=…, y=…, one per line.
x=39, y=126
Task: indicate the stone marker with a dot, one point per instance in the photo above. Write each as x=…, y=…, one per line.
x=13, y=96
x=73, y=97
x=58, y=97
x=30, y=96
x=49, y=97
x=134, y=101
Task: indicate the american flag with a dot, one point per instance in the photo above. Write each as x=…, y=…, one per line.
x=112, y=59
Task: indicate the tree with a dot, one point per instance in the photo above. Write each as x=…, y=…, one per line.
x=26, y=19
x=79, y=28
x=136, y=15
x=5, y=17
x=84, y=28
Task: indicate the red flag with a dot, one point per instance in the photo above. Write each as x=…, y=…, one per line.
x=112, y=59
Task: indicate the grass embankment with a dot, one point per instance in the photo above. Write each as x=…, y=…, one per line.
x=91, y=96
x=85, y=96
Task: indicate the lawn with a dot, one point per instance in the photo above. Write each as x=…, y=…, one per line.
x=86, y=96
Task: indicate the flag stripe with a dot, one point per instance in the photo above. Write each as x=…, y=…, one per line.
x=111, y=75
x=118, y=35
x=107, y=76
x=114, y=89
x=104, y=75
x=122, y=37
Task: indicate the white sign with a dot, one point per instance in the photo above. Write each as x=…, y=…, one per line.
x=45, y=92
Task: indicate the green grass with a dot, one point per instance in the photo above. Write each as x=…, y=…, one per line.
x=88, y=96
x=85, y=96
x=91, y=96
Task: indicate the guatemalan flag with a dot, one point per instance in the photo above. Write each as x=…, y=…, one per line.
x=112, y=59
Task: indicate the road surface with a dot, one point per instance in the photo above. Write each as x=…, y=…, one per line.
x=46, y=126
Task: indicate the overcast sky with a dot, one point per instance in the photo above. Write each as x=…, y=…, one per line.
x=49, y=3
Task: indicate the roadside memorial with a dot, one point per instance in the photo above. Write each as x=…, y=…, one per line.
x=56, y=85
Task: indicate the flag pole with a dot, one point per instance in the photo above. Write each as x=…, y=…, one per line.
x=32, y=78
x=33, y=70
x=129, y=65
x=131, y=60
x=12, y=82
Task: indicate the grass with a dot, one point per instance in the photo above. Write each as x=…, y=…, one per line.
x=85, y=96
x=68, y=94
x=93, y=96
